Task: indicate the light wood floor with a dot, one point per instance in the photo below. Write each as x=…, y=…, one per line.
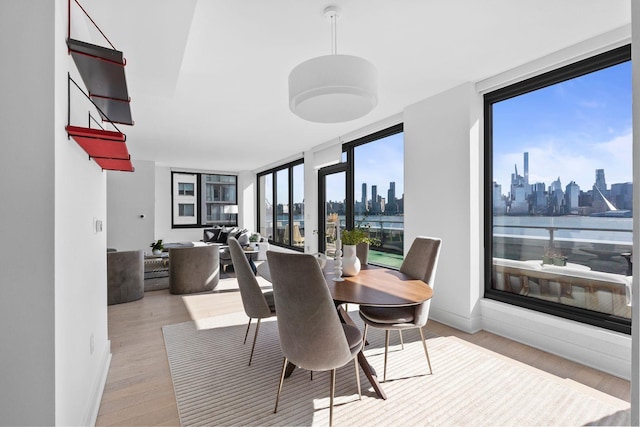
x=139, y=389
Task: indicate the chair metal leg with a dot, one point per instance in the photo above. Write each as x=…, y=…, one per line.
x=247, y=333
x=364, y=334
x=401, y=340
x=424, y=344
x=386, y=350
x=284, y=366
x=254, y=341
x=355, y=360
x=332, y=391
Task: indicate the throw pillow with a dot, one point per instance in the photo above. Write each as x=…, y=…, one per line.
x=239, y=233
x=211, y=235
x=243, y=238
x=222, y=237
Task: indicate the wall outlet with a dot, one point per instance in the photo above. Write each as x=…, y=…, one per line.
x=92, y=344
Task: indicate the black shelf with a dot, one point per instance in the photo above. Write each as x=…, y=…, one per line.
x=102, y=70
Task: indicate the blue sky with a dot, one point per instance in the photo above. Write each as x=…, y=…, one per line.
x=377, y=163
x=569, y=129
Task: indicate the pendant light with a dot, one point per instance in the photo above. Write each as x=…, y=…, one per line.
x=333, y=88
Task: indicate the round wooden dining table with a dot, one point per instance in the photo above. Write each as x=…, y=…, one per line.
x=374, y=285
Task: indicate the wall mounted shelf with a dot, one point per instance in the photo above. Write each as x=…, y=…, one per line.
x=102, y=71
x=107, y=148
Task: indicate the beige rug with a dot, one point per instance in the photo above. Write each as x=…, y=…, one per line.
x=470, y=386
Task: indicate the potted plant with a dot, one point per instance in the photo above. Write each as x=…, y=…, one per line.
x=360, y=238
x=254, y=238
x=156, y=247
x=553, y=256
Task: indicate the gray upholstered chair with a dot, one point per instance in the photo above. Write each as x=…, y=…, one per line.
x=421, y=263
x=125, y=276
x=311, y=334
x=193, y=269
x=257, y=305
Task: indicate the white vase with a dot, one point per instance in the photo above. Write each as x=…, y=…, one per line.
x=157, y=252
x=350, y=262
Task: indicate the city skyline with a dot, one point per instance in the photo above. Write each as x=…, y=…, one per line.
x=523, y=197
x=520, y=169
x=569, y=129
x=376, y=163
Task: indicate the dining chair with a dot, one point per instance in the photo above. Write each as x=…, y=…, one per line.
x=311, y=334
x=421, y=263
x=257, y=304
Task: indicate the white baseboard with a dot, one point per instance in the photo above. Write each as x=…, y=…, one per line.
x=469, y=325
x=91, y=414
x=601, y=349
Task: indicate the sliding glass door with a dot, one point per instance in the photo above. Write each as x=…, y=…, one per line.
x=332, y=186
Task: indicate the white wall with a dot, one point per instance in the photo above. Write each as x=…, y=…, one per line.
x=53, y=264
x=82, y=348
x=441, y=174
x=247, y=201
x=27, y=362
x=443, y=149
x=131, y=195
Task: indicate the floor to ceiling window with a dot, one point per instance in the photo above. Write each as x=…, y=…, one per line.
x=369, y=194
x=559, y=176
x=281, y=205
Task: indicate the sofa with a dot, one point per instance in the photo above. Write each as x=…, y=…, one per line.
x=220, y=235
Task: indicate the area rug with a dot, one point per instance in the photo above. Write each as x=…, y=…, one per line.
x=470, y=386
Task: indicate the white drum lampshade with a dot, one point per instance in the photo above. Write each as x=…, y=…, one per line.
x=333, y=88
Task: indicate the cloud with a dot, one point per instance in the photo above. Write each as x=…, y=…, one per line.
x=571, y=162
x=591, y=104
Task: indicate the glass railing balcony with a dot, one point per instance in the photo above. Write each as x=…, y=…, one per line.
x=390, y=234
x=584, y=267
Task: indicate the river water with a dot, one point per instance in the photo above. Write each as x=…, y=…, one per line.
x=577, y=228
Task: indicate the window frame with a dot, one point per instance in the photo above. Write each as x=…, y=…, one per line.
x=199, y=199
x=274, y=183
x=183, y=191
x=348, y=148
x=592, y=64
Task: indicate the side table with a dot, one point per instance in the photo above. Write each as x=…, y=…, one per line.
x=156, y=265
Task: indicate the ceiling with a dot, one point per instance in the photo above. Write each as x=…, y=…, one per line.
x=208, y=78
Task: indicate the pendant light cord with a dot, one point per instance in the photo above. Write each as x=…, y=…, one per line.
x=334, y=35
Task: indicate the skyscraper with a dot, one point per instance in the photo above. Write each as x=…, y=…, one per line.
x=599, y=191
x=526, y=168
x=601, y=182
x=572, y=195
x=375, y=205
x=364, y=195
x=391, y=207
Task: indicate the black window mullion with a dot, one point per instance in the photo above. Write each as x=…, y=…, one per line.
x=350, y=196
x=290, y=170
x=274, y=210
x=201, y=188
